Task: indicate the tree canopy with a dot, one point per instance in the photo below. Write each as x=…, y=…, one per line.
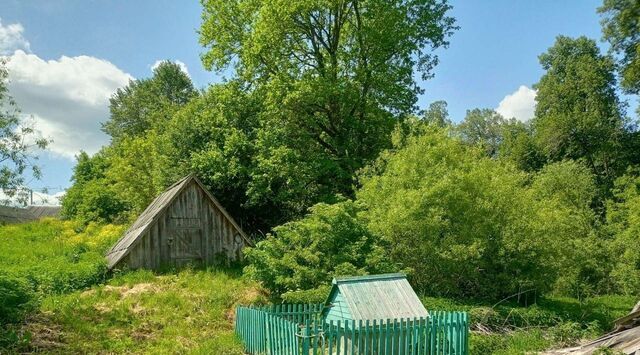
x=18, y=143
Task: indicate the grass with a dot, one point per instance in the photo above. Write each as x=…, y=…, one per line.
x=186, y=312
x=54, y=280
x=56, y=296
x=56, y=256
x=550, y=323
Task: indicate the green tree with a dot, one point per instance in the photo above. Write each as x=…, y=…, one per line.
x=18, y=143
x=621, y=28
x=135, y=171
x=471, y=225
x=578, y=114
x=518, y=146
x=437, y=114
x=144, y=103
x=562, y=194
x=92, y=197
x=483, y=127
x=333, y=76
x=306, y=254
x=623, y=219
x=215, y=136
x=459, y=219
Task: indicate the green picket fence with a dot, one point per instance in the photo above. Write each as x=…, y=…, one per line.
x=299, y=330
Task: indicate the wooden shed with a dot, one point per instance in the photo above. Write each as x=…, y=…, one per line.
x=373, y=297
x=183, y=225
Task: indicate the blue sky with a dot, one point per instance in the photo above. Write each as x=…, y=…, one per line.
x=82, y=50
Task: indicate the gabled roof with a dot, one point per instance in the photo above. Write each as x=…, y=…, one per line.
x=31, y=213
x=10, y=214
x=378, y=297
x=44, y=211
x=153, y=211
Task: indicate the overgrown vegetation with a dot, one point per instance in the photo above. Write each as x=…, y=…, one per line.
x=44, y=258
x=512, y=328
x=316, y=145
x=184, y=312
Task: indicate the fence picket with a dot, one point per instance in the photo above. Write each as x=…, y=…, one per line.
x=298, y=329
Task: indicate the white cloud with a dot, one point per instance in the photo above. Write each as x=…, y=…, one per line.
x=68, y=98
x=39, y=198
x=11, y=38
x=520, y=104
x=182, y=66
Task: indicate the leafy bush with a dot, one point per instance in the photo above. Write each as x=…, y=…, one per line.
x=308, y=253
x=315, y=295
x=470, y=225
x=16, y=299
x=624, y=224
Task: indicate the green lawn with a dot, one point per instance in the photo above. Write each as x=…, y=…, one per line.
x=185, y=312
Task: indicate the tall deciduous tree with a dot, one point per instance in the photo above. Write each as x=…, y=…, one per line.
x=437, y=114
x=334, y=75
x=578, y=114
x=18, y=143
x=483, y=127
x=146, y=102
x=621, y=28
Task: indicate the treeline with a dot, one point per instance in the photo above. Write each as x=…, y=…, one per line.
x=316, y=146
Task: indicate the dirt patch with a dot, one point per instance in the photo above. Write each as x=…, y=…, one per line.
x=102, y=308
x=138, y=310
x=251, y=295
x=46, y=335
x=87, y=293
x=127, y=291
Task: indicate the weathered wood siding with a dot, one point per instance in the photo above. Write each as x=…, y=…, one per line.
x=213, y=237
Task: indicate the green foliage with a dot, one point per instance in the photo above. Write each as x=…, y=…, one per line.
x=146, y=103
x=624, y=223
x=186, y=312
x=486, y=228
x=439, y=200
x=437, y=114
x=564, y=193
x=483, y=127
x=51, y=257
x=519, y=147
x=332, y=78
x=621, y=29
x=315, y=295
x=18, y=143
x=309, y=252
x=16, y=299
x=93, y=197
x=578, y=114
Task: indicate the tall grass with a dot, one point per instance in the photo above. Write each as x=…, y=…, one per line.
x=190, y=311
x=54, y=256
x=551, y=322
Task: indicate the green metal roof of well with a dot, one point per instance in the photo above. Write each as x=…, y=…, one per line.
x=378, y=297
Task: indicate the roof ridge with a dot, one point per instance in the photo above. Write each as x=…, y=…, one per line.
x=369, y=277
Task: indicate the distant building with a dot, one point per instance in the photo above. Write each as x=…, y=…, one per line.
x=372, y=297
x=183, y=225
x=10, y=214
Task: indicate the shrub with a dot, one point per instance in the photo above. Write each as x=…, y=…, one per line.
x=16, y=299
x=308, y=253
x=315, y=295
x=473, y=226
